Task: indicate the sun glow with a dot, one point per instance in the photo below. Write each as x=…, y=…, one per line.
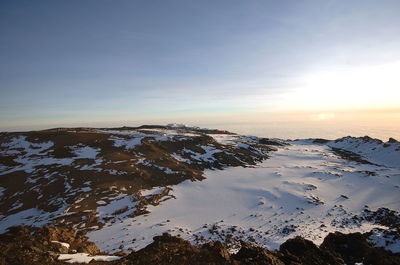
x=375, y=86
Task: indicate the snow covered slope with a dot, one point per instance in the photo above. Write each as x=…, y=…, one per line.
x=303, y=189
x=373, y=150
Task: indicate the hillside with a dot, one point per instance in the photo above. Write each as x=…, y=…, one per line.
x=122, y=187
x=68, y=175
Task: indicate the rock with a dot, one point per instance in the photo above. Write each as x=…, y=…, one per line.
x=70, y=236
x=167, y=249
x=304, y=251
x=255, y=255
x=354, y=247
x=320, y=141
x=25, y=245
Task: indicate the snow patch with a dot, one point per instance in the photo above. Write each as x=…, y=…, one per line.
x=66, y=245
x=85, y=258
x=85, y=152
x=382, y=238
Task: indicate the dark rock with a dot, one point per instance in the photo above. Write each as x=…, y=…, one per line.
x=249, y=254
x=167, y=249
x=348, y=155
x=320, y=141
x=383, y=216
x=354, y=248
x=25, y=245
x=304, y=251
x=267, y=141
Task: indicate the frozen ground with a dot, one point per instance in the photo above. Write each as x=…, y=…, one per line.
x=303, y=189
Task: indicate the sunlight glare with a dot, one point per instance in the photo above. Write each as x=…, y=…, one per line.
x=374, y=86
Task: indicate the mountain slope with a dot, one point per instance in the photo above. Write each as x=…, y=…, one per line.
x=65, y=175
x=372, y=150
x=121, y=187
x=303, y=190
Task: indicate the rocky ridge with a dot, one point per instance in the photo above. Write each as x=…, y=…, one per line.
x=33, y=246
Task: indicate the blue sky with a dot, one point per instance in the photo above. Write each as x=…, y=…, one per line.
x=70, y=62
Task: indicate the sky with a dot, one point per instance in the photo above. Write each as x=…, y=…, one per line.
x=114, y=63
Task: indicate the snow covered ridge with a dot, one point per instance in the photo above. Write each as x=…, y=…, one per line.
x=369, y=149
x=86, y=177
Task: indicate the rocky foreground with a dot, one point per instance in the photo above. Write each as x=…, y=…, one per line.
x=42, y=246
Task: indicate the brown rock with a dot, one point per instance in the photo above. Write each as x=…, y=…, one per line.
x=304, y=251
x=354, y=248
x=255, y=255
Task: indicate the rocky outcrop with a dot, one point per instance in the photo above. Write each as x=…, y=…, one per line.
x=24, y=245
x=249, y=254
x=302, y=251
x=337, y=249
x=167, y=249
x=354, y=248
x=367, y=150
